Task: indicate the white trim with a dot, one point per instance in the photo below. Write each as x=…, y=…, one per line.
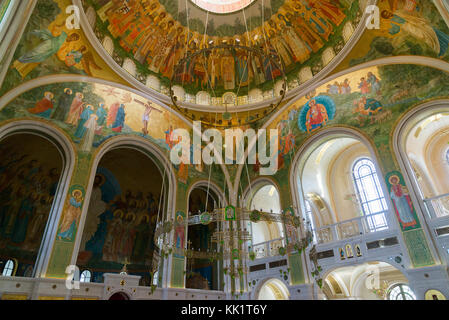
x=17, y=23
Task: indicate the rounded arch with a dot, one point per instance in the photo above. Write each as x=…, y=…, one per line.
x=401, y=130
x=316, y=140
x=361, y=279
x=122, y=294
x=255, y=186
x=279, y=289
x=212, y=186
x=403, y=126
x=155, y=154
x=263, y=231
x=67, y=151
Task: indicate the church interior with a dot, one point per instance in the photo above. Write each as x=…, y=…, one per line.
x=224, y=150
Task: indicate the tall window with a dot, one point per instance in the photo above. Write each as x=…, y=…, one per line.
x=9, y=268
x=370, y=194
x=309, y=215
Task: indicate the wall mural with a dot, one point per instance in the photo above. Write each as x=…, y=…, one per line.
x=92, y=113
x=49, y=47
x=121, y=218
x=30, y=169
x=370, y=100
x=407, y=27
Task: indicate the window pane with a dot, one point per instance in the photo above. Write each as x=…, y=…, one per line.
x=9, y=268
x=369, y=191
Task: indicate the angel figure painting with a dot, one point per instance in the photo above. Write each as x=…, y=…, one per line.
x=316, y=113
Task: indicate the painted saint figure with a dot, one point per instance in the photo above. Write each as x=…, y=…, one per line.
x=119, y=123
x=71, y=216
x=316, y=117
x=81, y=130
x=75, y=109
x=51, y=43
x=316, y=113
x=63, y=105
x=402, y=202
x=44, y=107
x=419, y=28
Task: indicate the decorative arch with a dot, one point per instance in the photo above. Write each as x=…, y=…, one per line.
x=208, y=184
x=279, y=284
x=155, y=154
x=310, y=145
x=68, y=155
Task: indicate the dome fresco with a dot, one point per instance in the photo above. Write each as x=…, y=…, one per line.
x=248, y=57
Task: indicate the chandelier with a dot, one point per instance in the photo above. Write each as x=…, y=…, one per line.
x=227, y=76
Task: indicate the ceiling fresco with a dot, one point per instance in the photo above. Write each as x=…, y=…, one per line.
x=237, y=66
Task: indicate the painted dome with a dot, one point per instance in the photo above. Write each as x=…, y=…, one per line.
x=231, y=56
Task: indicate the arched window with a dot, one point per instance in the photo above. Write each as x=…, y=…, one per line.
x=309, y=215
x=9, y=268
x=86, y=276
x=155, y=278
x=370, y=195
x=401, y=292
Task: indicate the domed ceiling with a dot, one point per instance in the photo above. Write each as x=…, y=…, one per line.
x=224, y=62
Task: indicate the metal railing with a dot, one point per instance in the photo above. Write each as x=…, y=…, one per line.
x=352, y=228
x=437, y=207
x=268, y=248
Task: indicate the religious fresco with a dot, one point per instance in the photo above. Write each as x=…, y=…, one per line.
x=49, y=47
x=407, y=27
x=93, y=113
x=402, y=202
x=297, y=32
x=370, y=100
x=30, y=169
x=90, y=114
x=121, y=218
x=201, y=273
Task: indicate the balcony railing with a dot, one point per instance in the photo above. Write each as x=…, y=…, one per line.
x=438, y=206
x=268, y=248
x=352, y=228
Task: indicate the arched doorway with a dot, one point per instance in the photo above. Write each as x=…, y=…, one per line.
x=202, y=273
x=267, y=237
x=273, y=289
x=119, y=296
x=374, y=280
x=340, y=188
x=422, y=142
x=124, y=208
x=30, y=173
